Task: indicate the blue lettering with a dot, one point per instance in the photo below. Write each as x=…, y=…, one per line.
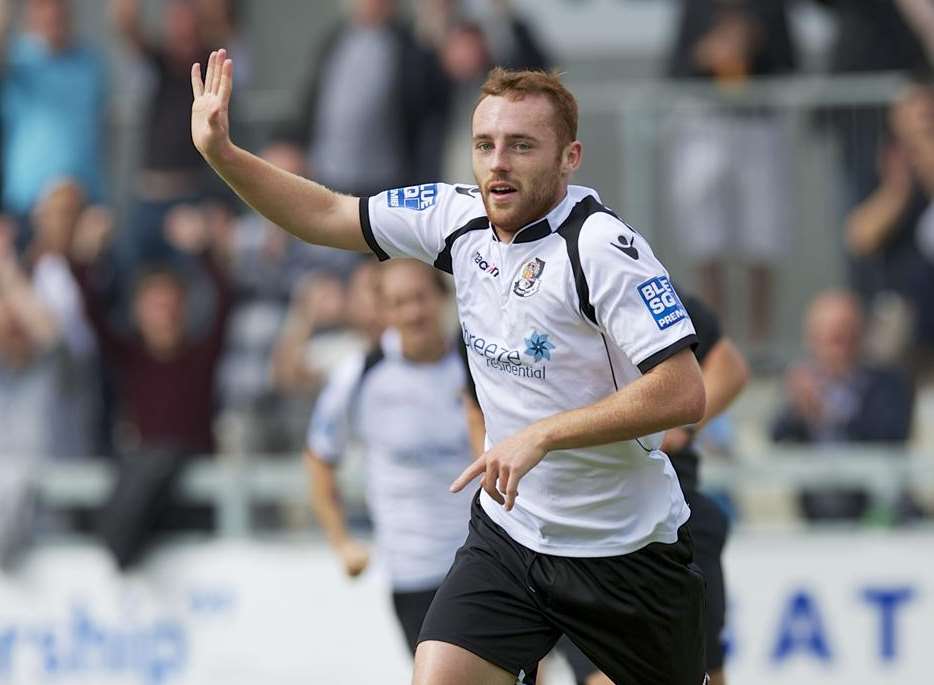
x=88, y=640
x=801, y=630
x=7, y=640
x=167, y=653
x=887, y=601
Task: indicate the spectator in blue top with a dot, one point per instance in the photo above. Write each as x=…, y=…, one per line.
x=54, y=100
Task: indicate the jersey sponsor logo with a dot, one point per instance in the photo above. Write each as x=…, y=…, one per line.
x=626, y=246
x=509, y=360
x=529, y=283
x=538, y=346
x=662, y=301
x=413, y=197
x=485, y=265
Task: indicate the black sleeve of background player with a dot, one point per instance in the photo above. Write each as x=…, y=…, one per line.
x=706, y=325
x=469, y=386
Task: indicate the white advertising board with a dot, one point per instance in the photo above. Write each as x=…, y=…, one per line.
x=832, y=609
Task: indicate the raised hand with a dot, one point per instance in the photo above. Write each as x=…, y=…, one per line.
x=210, y=122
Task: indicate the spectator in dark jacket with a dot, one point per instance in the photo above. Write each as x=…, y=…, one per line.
x=375, y=109
x=834, y=397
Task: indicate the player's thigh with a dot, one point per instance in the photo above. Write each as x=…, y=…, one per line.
x=486, y=606
x=442, y=662
x=638, y=617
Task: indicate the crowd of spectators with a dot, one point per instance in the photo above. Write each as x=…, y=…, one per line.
x=185, y=325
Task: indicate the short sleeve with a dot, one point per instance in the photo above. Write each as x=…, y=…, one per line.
x=330, y=427
x=706, y=325
x=416, y=221
x=632, y=298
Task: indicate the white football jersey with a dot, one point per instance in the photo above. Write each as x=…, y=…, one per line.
x=575, y=307
x=410, y=419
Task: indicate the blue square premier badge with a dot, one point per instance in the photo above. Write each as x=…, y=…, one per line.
x=414, y=197
x=662, y=301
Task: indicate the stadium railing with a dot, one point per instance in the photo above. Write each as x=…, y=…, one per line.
x=235, y=485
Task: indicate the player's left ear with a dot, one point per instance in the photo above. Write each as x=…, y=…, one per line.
x=571, y=157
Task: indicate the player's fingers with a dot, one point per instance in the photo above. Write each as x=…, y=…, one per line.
x=226, y=81
x=512, y=489
x=489, y=483
x=475, y=469
x=218, y=70
x=503, y=478
x=209, y=72
x=197, y=87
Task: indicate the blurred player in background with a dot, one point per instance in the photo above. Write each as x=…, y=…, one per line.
x=404, y=401
x=581, y=352
x=725, y=374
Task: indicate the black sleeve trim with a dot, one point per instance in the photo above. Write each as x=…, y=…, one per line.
x=443, y=262
x=367, y=229
x=688, y=341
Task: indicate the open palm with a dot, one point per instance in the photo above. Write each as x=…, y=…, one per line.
x=210, y=125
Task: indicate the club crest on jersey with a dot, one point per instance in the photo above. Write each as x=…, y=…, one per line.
x=529, y=283
x=413, y=197
x=662, y=301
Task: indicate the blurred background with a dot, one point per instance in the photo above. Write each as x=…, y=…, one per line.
x=161, y=346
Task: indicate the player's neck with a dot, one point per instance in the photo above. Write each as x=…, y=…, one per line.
x=425, y=351
x=507, y=235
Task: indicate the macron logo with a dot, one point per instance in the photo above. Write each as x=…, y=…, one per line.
x=484, y=265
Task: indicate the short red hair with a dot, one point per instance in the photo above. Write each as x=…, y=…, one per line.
x=515, y=85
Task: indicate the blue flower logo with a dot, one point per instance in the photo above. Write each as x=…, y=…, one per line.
x=538, y=347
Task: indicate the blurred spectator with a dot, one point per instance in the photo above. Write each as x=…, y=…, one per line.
x=835, y=397
x=266, y=267
x=165, y=372
x=512, y=42
x=730, y=172
x=33, y=368
x=45, y=351
x=375, y=109
x=882, y=232
x=323, y=326
x=54, y=105
x=469, y=42
x=466, y=59
x=871, y=36
x=54, y=221
x=172, y=172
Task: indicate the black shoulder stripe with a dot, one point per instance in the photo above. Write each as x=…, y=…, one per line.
x=367, y=229
x=443, y=261
x=570, y=230
x=688, y=341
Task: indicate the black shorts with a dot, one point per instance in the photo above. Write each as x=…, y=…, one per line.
x=411, y=608
x=638, y=616
x=709, y=527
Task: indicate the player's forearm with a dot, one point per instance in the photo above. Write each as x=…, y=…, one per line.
x=725, y=375
x=670, y=395
x=325, y=500
x=306, y=209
